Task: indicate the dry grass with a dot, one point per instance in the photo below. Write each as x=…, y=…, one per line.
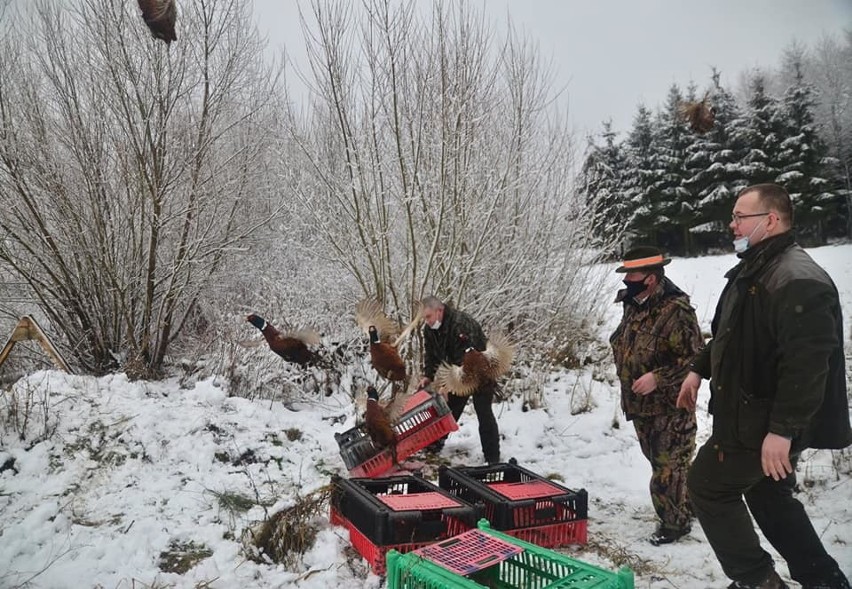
x=180, y=557
x=287, y=534
x=619, y=556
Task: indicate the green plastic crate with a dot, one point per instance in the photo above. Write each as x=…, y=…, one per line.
x=533, y=568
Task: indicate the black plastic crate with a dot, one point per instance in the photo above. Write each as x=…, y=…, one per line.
x=401, y=509
x=515, y=498
x=426, y=418
x=355, y=446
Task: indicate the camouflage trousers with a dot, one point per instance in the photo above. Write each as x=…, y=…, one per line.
x=668, y=442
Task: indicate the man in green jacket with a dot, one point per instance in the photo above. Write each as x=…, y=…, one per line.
x=653, y=345
x=443, y=326
x=778, y=386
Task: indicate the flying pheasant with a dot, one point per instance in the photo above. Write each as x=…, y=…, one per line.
x=292, y=346
x=384, y=353
x=160, y=16
x=700, y=114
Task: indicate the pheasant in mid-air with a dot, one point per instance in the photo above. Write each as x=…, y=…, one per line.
x=160, y=16
x=700, y=114
x=385, y=339
x=292, y=346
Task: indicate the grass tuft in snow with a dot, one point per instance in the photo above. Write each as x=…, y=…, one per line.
x=180, y=557
x=235, y=502
x=288, y=533
x=619, y=555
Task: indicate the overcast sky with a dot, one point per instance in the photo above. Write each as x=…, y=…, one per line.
x=612, y=54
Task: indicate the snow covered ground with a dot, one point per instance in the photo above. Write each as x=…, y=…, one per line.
x=130, y=471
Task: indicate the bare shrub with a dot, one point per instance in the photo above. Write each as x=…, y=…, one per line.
x=129, y=173
x=435, y=158
x=26, y=412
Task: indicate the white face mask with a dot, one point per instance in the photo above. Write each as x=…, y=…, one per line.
x=435, y=325
x=742, y=244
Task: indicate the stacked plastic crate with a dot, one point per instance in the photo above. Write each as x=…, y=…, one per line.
x=403, y=514
x=400, y=512
x=521, y=503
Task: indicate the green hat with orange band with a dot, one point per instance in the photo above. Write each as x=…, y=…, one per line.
x=644, y=257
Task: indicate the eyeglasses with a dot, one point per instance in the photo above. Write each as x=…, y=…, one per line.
x=737, y=217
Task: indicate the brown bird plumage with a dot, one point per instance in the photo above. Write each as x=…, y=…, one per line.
x=477, y=369
x=385, y=357
x=292, y=346
x=368, y=312
x=377, y=423
x=385, y=338
x=160, y=16
x=700, y=114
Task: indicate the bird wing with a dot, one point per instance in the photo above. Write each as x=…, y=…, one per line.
x=309, y=337
x=395, y=407
x=452, y=378
x=500, y=352
x=415, y=322
x=369, y=312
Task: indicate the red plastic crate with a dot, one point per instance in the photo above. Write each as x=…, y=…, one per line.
x=374, y=554
x=418, y=501
x=401, y=513
x=553, y=535
x=521, y=503
x=335, y=519
x=426, y=419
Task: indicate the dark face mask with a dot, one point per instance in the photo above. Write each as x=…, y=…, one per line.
x=634, y=287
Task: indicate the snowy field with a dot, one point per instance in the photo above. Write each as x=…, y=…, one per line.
x=133, y=469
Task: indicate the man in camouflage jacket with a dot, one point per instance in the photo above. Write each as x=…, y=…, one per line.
x=442, y=327
x=653, y=346
x=778, y=385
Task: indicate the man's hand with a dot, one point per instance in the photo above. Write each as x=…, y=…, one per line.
x=645, y=384
x=775, y=456
x=424, y=382
x=688, y=394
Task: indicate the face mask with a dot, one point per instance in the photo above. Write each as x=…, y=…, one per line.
x=435, y=325
x=741, y=244
x=634, y=287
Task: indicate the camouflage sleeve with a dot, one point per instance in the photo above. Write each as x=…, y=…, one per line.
x=683, y=341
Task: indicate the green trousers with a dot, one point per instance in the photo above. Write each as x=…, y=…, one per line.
x=720, y=487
